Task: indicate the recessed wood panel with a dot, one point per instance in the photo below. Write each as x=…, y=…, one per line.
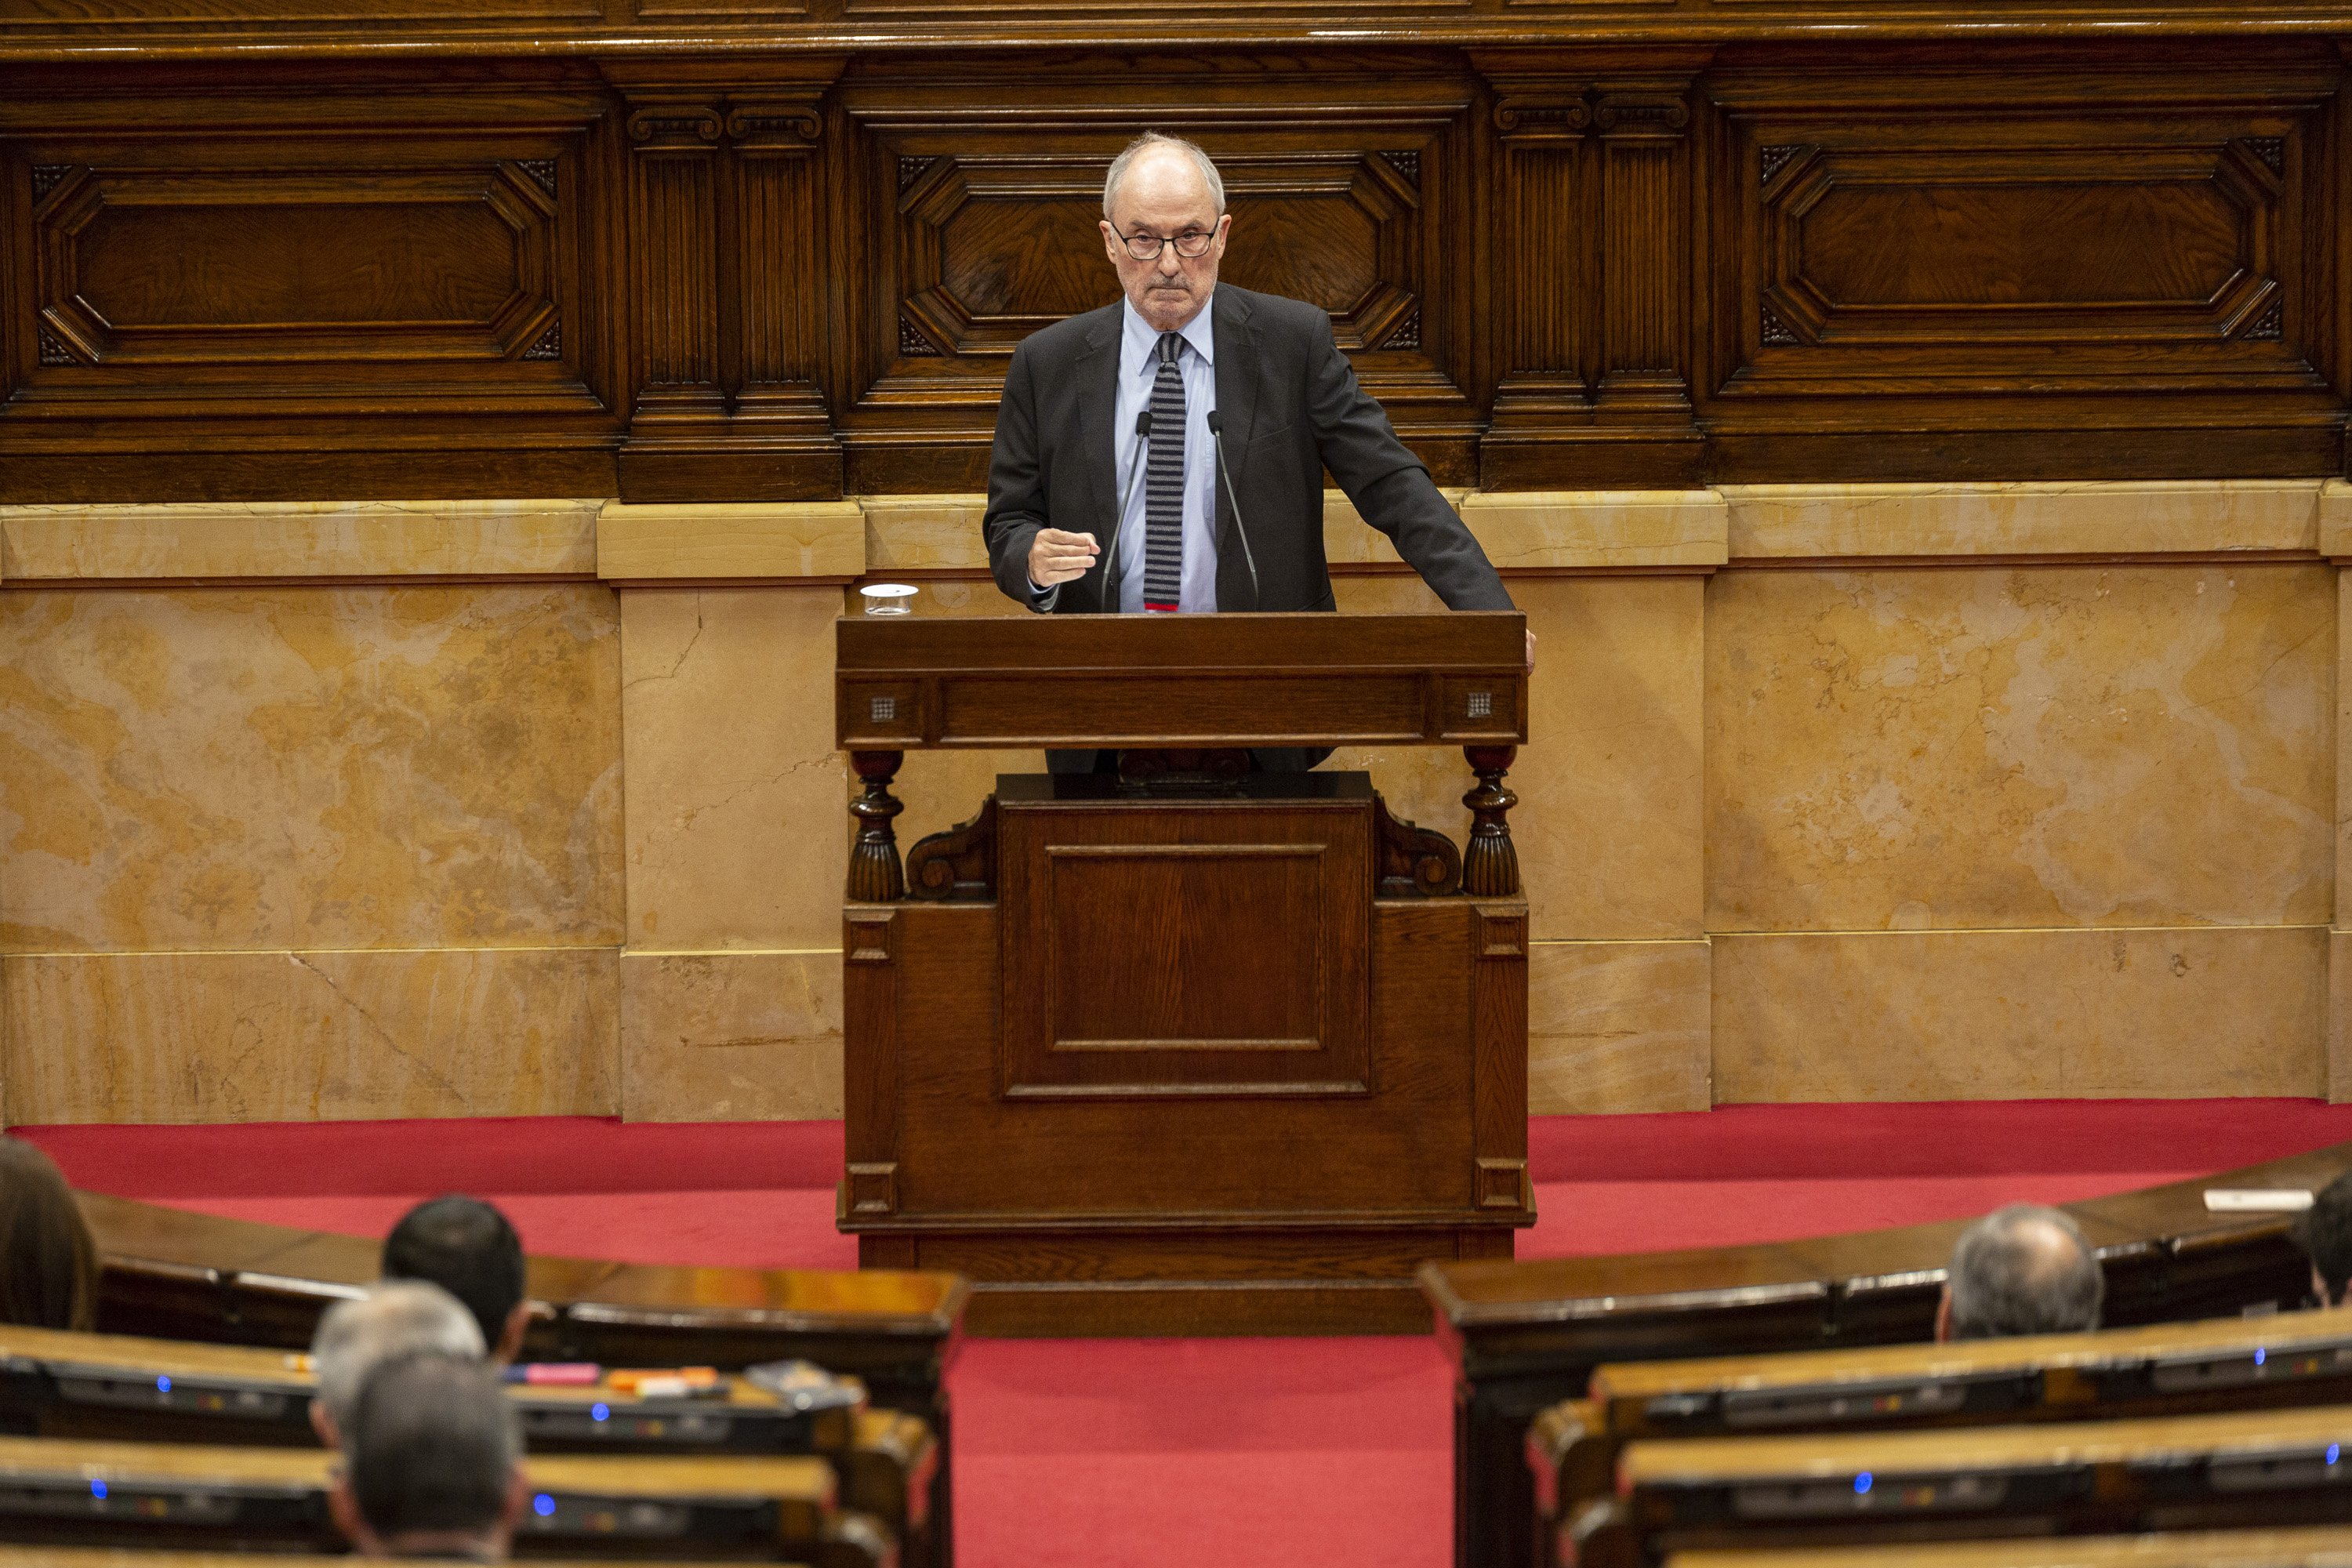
x=225, y=268
x=1159, y=948
x=1993, y=237
x=1341, y=179
x=2045, y=239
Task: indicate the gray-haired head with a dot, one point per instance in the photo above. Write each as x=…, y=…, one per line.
x=1145, y=143
x=2024, y=1269
x=432, y=1450
x=397, y=1318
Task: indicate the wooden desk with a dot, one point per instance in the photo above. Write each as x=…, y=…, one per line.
x=173, y=1275
x=132, y=1557
x=1526, y=1336
x=2324, y=1546
x=71, y=1490
x=2236, y=1470
x=1193, y=1049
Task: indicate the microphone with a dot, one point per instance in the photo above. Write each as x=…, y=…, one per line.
x=1249, y=556
x=1111, y=550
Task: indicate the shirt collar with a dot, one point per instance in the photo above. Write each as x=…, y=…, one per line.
x=1140, y=342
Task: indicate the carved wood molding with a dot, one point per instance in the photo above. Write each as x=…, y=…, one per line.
x=1597, y=316
x=1412, y=861
x=959, y=863
x=730, y=277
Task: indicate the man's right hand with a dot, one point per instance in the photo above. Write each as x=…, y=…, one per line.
x=1055, y=557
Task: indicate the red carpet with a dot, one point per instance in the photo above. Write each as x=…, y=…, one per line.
x=1140, y=1453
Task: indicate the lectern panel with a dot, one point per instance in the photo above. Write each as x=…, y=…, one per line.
x=1201, y=711
x=1196, y=910
x=1158, y=947
x=1180, y=681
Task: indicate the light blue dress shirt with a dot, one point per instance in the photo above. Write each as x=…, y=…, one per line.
x=1139, y=371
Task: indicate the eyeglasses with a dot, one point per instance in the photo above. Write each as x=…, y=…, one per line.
x=1191, y=244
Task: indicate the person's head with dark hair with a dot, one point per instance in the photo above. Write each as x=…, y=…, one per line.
x=2024, y=1269
x=467, y=1248
x=432, y=1462
x=49, y=1265
x=2324, y=1231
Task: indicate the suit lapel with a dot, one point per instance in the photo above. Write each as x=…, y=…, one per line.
x=1239, y=365
x=1097, y=370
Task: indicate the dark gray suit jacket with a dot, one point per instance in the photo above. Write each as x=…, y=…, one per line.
x=1289, y=406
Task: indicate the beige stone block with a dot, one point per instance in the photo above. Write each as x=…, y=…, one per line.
x=1617, y=1026
x=731, y=1036
x=1610, y=783
x=2046, y=746
x=907, y=533
x=1598, y=530
x=2335, y=520
x=737, y=830
x=290, y=768
x=301, y=1037
x=2343, y=906
x=299, y=539
x=2339, y=1016
x=778, y=540
x=2019, y=1015
x=1908, y=521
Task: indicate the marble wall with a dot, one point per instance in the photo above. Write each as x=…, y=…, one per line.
x=1865, y=792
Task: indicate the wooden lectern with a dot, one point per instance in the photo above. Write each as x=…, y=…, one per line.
x=1189, y=1048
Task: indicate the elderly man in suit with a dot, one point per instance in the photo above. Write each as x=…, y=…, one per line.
x=1167, y=453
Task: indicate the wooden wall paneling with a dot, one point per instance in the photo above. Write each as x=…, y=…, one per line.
x=1592, y=271
x=1544, y=270
x=2070, y=263
x=243, y=292
x=982, y=217
x=730, y=279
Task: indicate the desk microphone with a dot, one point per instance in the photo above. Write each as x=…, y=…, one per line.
x=1249, y=556
x=1134, y=473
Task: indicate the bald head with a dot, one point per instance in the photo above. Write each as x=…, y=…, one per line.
x=1164, y=227
x=2024, y=1269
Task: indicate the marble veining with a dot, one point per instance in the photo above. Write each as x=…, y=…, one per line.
x=2064, y=746
x=188, y=770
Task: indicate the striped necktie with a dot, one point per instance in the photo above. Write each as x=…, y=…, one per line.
x=1164, y=484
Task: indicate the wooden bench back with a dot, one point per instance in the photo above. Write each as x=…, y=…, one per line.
x=133, y=1557
x=170, y=1495
x=2240, y=1470
x=2295, y=1358
x=2324, y=1546
x=1525, y=1336
x=122, y=1387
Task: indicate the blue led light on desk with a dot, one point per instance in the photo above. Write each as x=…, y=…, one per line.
x=1862, y=1482
x=601, y=1411
x=162, y=1385
x=2333, y=1449
x=542, y=1505
x=98, y=1490
x=2261, y=1355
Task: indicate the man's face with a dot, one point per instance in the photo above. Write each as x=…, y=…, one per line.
x=1163, y=195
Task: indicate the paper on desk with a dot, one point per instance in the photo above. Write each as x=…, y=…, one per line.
x=2257, y=1200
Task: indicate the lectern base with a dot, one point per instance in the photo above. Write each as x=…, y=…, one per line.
x=1223, y=1061
x=1098, y=1284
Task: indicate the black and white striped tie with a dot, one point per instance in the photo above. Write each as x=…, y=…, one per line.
x=1163, y=485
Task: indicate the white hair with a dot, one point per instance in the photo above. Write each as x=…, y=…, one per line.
x=1144, y=143
x=396, y=1318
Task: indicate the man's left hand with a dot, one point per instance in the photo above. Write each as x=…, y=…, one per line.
x=1531, y=653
